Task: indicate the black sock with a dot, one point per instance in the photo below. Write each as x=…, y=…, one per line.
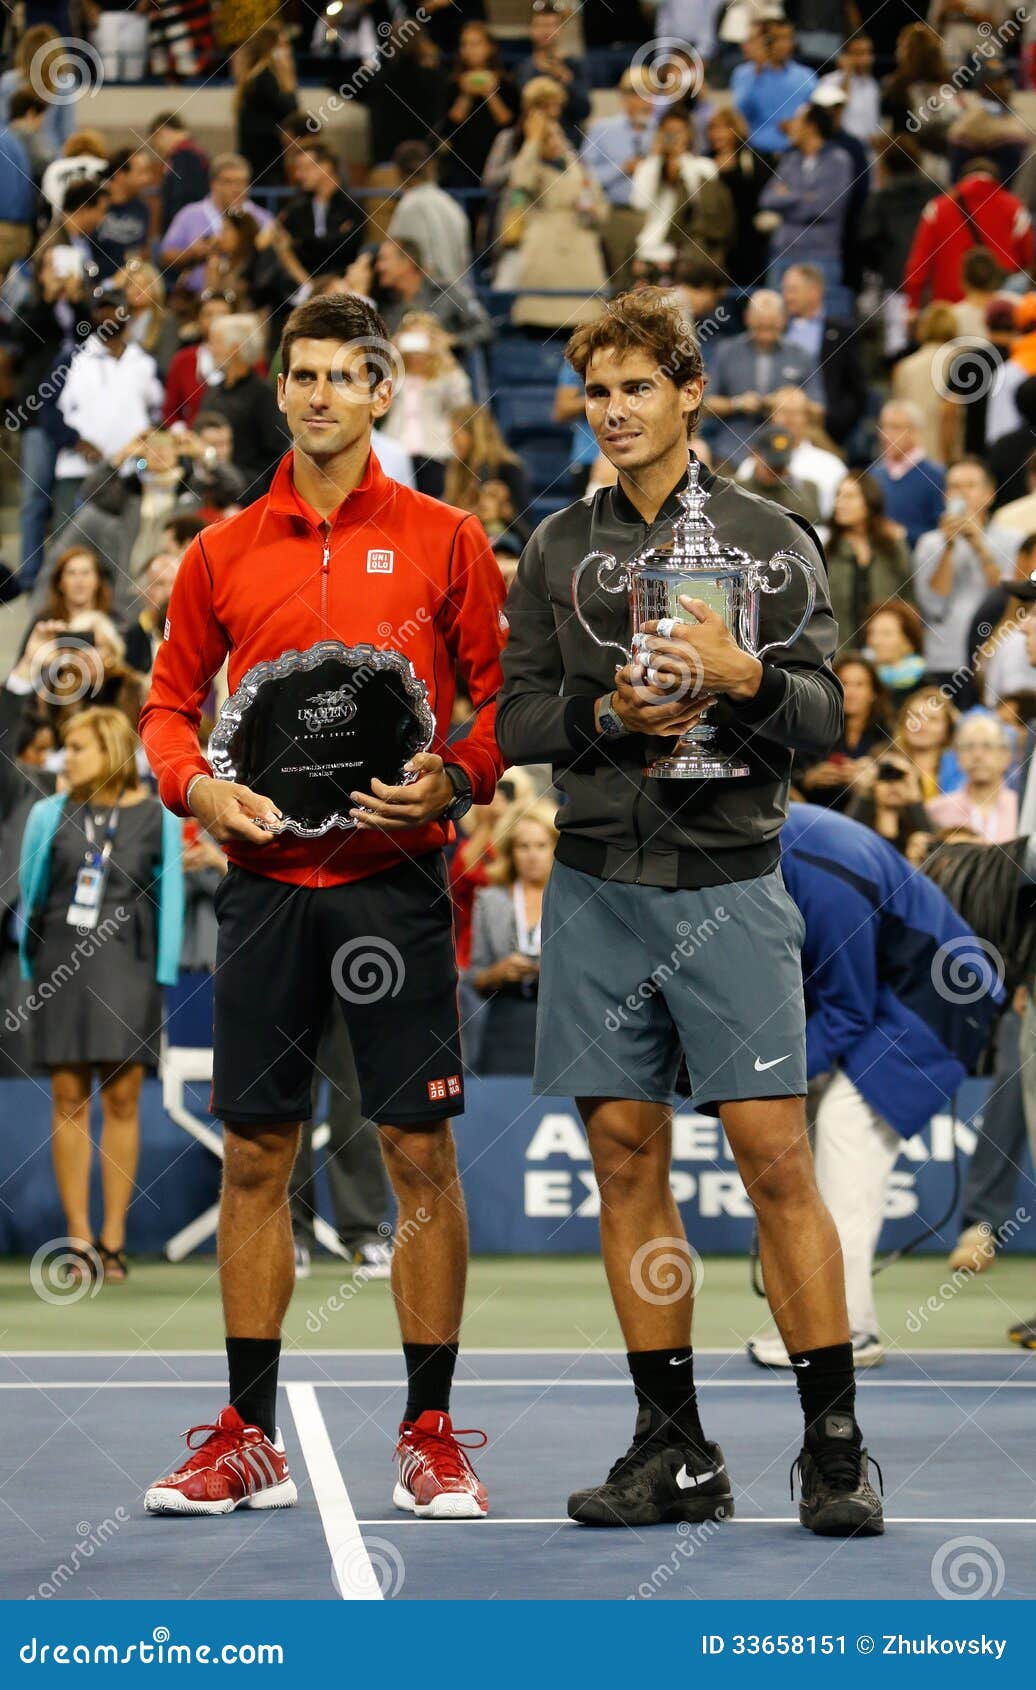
x=253, y=1366
x=664, y=1383
x=429, y=1372
x=826, y=1382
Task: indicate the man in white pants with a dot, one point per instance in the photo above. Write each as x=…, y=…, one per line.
x=900, y=1000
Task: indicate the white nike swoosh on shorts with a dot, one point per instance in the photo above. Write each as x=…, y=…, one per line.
x=761, y=1067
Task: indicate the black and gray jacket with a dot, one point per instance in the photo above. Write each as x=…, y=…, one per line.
x=616, y=822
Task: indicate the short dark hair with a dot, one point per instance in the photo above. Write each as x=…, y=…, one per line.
x=343, y=317
x=981, y=270
x=412, y=157
x=81, y=193
x=186, y=527
x=643, y=321
x=23, y=103
x=320, y=149
x=210, y=419
x=168, y=120
x=118, y=161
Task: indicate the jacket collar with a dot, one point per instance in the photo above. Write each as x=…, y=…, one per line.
x=624, y=510
x=363, y=502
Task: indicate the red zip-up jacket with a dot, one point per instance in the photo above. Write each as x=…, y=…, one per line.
x=392, y=569
x=944, y=237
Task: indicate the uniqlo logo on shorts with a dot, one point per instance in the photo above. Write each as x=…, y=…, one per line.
x=380, y=562
x=453, y=1084
x=436, y=1090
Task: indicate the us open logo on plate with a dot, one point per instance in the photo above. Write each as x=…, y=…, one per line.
x=380, y=562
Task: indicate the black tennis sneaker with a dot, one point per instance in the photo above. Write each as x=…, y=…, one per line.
x=660, y=1479
x=838, y=1499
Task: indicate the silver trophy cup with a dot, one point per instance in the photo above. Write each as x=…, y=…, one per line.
x=726, y=579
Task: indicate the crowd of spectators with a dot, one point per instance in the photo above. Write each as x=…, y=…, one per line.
x=840, y=198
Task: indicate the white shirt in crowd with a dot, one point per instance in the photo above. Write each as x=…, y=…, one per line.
x=811, y=463
x=431, y=217
x=107, y=401
x=394, y=459
x=948, y=616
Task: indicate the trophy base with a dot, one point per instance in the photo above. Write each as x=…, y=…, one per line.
x=695, y=765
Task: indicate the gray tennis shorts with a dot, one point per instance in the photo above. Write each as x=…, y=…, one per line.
x=631, y=974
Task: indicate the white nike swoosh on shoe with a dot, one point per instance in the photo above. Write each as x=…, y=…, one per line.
x=761, y=1067
x=686, y=1482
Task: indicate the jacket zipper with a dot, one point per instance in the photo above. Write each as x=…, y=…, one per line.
x=324, y=570
x=325, y=567
x=638, y=800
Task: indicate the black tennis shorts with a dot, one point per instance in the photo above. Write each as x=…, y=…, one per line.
x=383, y=947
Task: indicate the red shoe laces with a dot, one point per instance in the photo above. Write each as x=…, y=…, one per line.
x=448, y=1455
x=219, y=1439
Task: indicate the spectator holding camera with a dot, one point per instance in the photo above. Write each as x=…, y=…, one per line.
x=865, y=733
x=687, y=207
x=888, y=799
x=191, y=236
x=101, y=878
x=956, y=565
x=483, y=101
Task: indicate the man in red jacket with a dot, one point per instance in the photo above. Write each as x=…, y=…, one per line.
x=335, y=550
x=977, y=212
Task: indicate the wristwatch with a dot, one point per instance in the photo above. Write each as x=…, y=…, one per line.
x=611, y=726
x=463, y=799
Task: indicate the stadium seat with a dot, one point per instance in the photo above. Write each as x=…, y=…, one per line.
x=516, y=362
x=522, y=411
x=547, y=469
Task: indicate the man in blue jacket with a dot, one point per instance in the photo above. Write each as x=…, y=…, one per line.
x=900, y=999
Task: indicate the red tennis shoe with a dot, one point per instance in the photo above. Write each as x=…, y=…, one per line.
x=434, y=1478
x=235, y=1467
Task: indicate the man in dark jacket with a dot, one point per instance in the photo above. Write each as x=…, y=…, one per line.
x=666, y=926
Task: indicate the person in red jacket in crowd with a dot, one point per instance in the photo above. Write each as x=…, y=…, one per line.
x=977, y=212
x=335, y=550
x=191, y=366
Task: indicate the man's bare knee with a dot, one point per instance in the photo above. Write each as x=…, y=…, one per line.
x=420, y=1165
x=259, y=1162
x=630, y=1153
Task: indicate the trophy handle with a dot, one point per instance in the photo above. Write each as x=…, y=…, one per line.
x=604, y=561
x=780, y=563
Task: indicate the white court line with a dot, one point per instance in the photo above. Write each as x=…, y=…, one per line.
x=543, y=1350
x=354, y=1576
x=616, y=1384
x=751, y=1520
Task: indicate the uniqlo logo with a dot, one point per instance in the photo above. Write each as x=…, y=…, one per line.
x=436, y=1090
x=380, y=562
x=453, y=1085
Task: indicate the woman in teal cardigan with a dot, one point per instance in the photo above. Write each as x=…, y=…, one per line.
x=98, y=948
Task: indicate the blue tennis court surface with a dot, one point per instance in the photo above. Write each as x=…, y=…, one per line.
x=85, y=1434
